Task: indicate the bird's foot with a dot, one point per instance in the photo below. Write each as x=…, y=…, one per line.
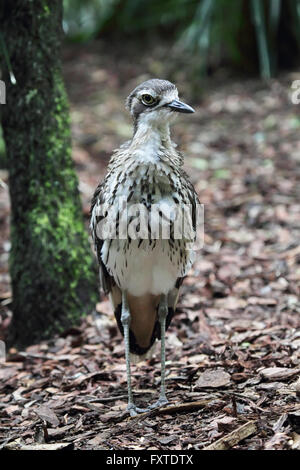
x=134, y=410
x=162, y=401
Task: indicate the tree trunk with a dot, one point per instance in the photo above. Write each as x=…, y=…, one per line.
x=53, y=274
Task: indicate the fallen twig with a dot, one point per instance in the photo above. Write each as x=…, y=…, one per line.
x=182, y=407
x=234, y=437
x=18, y=445
x=105, y=399
x=3, y=184
x=290, y=253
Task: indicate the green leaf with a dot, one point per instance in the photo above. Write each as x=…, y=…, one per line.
x=261, y=36
x=275, y=8
x=199, y=163
x=222, y=173
x=7, y=60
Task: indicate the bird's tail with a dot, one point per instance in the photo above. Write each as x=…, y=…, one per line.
x=144, y=324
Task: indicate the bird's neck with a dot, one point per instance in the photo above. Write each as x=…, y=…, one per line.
x=154, y=134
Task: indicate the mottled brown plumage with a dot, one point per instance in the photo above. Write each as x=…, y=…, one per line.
x=143, y=275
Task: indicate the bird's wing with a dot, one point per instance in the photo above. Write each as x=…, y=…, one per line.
x=106, y=280
x=192, y=198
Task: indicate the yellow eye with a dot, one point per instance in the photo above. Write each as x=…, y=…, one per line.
x=148, y=100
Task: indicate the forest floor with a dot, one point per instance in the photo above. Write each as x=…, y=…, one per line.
x=233, y=349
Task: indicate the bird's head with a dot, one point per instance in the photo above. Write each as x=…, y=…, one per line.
x=155, y=102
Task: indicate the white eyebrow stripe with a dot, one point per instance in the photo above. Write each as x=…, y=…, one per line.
x=146, y=91
x=168, y=97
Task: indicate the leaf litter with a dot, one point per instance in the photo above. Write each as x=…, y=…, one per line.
x=233, y=356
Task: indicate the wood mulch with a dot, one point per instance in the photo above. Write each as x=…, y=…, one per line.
x=233, y=360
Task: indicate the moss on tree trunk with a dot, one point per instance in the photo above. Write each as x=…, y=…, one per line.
x=52, y=269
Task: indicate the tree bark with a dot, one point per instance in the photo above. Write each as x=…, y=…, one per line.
x=53, y=273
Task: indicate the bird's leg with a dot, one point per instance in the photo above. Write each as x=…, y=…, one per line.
x=162, y=315
x=125, y=319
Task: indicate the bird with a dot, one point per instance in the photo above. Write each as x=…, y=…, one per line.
x=142, y=274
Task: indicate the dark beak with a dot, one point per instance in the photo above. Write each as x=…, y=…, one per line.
x=180, y=107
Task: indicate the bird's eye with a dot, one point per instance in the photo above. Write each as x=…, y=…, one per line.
x=148, y=100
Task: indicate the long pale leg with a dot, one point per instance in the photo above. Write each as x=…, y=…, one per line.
x=162, y=315
x=125, y=319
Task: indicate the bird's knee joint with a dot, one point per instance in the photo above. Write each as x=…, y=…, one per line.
x=125, y=317
x=162, y=313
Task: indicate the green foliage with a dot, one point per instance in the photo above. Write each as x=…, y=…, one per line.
x=3, y=161
x=261, y=34
x=84, y=19
x=245, y=32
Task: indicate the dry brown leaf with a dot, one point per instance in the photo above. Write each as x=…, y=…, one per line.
x=231, y=303
x=48, y=415
x=261, y=301
x=213, y=378
x=278, y=373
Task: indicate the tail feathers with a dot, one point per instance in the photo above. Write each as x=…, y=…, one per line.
x=135, y=348
x=144, y=326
